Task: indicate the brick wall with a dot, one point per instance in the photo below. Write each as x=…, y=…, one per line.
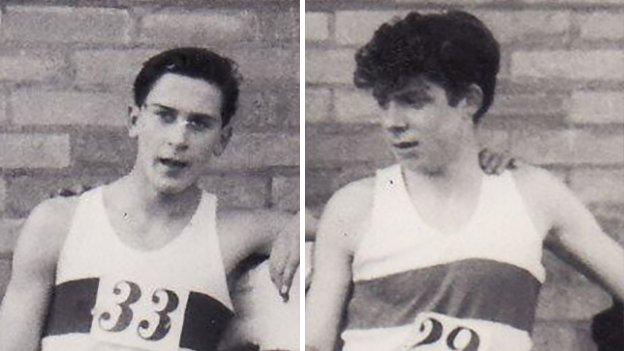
x=65, y=84
x=559, y=104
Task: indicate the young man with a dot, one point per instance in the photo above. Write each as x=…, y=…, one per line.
x=141, y=263
x=433, y=254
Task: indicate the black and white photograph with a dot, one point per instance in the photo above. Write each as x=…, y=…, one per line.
x=464, y=175
x=149, y=175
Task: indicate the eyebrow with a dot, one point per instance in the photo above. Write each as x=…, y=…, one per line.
x=191, y=115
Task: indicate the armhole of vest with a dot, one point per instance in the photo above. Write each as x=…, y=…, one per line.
x=216, y=241
x=367, y=232
x=519, y=199
x=73, y=223
x=522, y=203
x=210, y=204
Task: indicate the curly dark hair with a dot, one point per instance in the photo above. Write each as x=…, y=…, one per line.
x=194, y=63
x=454, y=49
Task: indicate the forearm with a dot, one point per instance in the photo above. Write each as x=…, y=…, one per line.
x=21, y=321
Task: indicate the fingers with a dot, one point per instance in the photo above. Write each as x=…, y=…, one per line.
x=70, y=191
x=288, y=275
x=276, y=269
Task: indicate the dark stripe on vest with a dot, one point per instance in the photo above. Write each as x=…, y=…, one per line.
x=473, y=288
x=70, y=307
x=205, y=318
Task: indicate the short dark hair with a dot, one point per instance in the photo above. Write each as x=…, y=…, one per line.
x=454, y=49
x=194, y=63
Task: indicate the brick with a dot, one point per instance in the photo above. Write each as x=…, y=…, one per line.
x=602, y=25
x=332, y=66
x=569, y=146
x=357, y=27
x=2, y=194
x=25, y=67
x=34, y=107
x=207, y=28
x=3, y=115
x=268, y=109
x=111, y=148
x=611, y=219
x=237, y=191
x=596, y=107
x=259, y=150
x=598, y=64
x=357, y=107
x=65, y=25
x=5, y=275
x=571, y=302
x=285, y=193
x=110, y=67
x=317, y=26
x=561, y=336
x=317, y=105
x=267, y=66
x=584, y=2
x=9, y=232
x=493, y=139
x=279, y=26
x=337, y=150
x=524, y=104
x=446, y=2
x=26, y=192
x=513, y=26
x=593, y=185
x=34, y=150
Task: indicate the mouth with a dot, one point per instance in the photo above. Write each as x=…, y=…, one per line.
x=405, y=145
x=173, y=163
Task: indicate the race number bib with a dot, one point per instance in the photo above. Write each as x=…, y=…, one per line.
x=437, y=332
x=138, y=315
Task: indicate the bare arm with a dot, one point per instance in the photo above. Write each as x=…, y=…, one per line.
x=575, y=236
x=264, y=232
x=343, y=219
x=25, y=304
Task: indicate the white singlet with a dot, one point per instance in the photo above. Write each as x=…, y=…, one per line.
x=109, y=296
x=418, y=289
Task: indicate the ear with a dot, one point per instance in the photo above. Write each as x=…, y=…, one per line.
x=224, y=139
x=472, y=99
x=133, y=120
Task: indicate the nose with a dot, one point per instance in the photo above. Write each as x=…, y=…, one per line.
x=177, y=136
x=395, y=120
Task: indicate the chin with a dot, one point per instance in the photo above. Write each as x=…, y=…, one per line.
x=170, y=187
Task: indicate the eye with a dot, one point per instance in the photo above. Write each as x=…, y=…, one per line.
x=200, y=123
x=166, y=116
x=414, y=101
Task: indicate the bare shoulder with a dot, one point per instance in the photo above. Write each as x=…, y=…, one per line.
x=348, y=212
x=246, y=220
x=539, y=184
x=45, y=229
x=547, y=197
x=354, y=200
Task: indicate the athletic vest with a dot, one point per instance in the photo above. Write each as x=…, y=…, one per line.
x=418, y=289
x=109, y=296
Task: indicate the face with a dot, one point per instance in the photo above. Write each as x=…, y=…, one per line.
x=178, y=130
x=425, y=133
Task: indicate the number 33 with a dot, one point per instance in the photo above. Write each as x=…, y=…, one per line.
x=153, y=327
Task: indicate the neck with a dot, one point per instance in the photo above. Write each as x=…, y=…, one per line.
x=462, y=172
x=140, y=195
